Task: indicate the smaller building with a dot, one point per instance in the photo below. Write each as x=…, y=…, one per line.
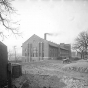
x=76, y=55
x=65, y=50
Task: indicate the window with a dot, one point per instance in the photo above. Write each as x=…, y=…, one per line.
x=25, y=50
x=33, y=55
x=25, y=54
x=43, y=53
x=35, y=52
x=41, y=49
x=28, y=53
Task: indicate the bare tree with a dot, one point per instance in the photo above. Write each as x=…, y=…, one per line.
x=6, y=10
x=81, y=44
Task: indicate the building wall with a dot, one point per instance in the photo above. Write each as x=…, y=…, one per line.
x=46, y=50
x=64, y=53
x=53, y=52
x=35, y=49
x=3, y=63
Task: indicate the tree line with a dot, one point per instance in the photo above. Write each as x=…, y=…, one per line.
x=81, y=44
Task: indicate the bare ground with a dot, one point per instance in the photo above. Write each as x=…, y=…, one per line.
x=49, y=74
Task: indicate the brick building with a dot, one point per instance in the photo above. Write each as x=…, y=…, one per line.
x=36, y=48
x=65, y=50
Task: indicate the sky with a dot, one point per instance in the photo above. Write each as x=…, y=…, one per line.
x=64, y=18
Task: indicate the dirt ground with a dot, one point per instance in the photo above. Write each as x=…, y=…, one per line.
x=49, y=74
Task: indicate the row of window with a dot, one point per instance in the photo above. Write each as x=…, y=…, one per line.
x=34, y=52
x=64, y=52
x=53, y=51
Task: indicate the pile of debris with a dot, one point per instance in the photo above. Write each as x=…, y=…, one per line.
x=74, y=83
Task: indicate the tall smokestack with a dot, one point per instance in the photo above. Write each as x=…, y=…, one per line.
x=45, y=36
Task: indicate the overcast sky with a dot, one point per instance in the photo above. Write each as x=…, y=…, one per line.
x=66, y=19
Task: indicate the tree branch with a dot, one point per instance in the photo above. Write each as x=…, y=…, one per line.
x=5, y=9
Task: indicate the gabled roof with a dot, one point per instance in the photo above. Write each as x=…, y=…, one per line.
x=53, y=44
x=49, y=42
x=34, y=35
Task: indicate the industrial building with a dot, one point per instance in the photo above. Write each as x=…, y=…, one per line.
x=65, y=50
x=36, y=48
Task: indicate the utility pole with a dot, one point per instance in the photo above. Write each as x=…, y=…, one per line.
x=15, y=53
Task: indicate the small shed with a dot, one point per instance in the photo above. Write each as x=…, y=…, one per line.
x=16, y=70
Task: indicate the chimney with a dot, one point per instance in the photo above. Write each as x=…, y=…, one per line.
x=45, y=36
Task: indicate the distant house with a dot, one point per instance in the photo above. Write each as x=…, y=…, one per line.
x=74, y=54
x=36, y=48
